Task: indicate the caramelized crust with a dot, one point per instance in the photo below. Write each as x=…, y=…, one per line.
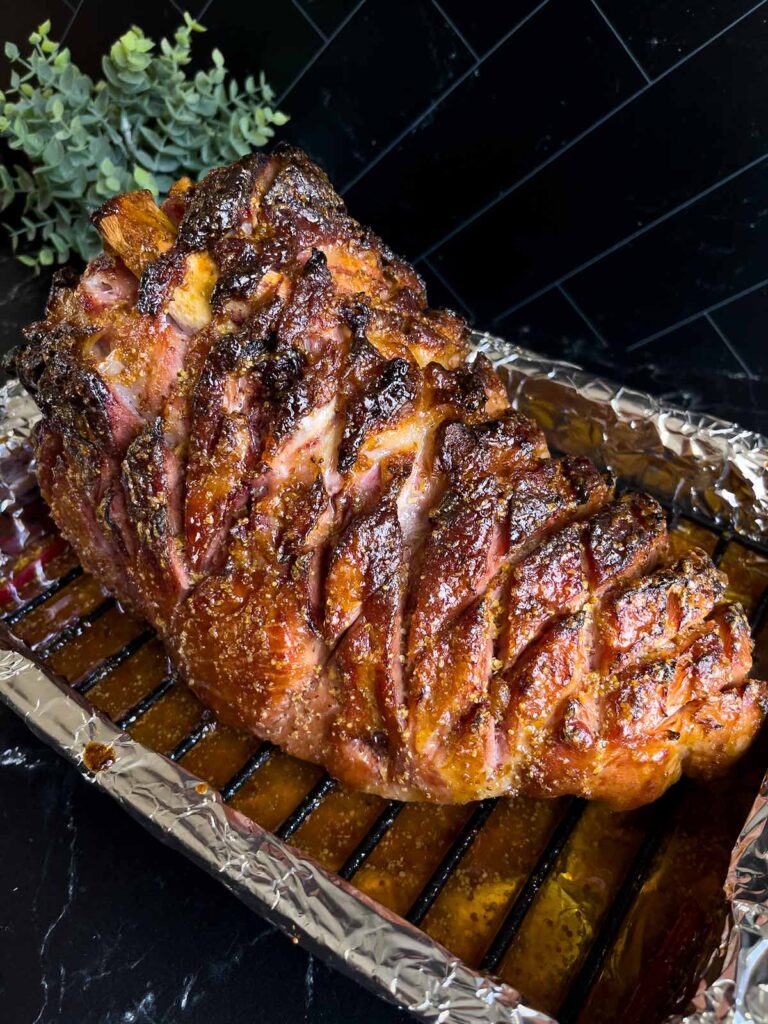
x=257, y=434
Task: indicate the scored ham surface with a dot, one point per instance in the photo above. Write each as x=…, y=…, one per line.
x=257, y=434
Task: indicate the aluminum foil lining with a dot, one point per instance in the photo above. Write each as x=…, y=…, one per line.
x=706, y=466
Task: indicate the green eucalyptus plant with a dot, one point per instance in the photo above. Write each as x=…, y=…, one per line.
x=142, y=126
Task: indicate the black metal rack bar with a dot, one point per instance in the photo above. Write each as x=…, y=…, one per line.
x=371, y=839
x=451, y=861
x=75, y=630
x=675, y=515
x=759, y=614
x=748, y=542
x=257, y=760
x=617, y=913
x=110, y=663
x=203, y=727
x=520, y=907
x=141, y=707
x=311, y=802
x=723, y=541
x=45, y=595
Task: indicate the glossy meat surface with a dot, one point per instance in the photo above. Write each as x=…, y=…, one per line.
x=258, y=434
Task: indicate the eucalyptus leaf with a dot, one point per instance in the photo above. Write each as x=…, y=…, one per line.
x=144, y=124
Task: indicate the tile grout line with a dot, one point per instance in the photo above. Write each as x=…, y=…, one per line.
x=707, y=42
x=70, y=23
x=578, y=138
x=633, y=236
x=694, y=316
x=486, y=207
x=436, y=102
x=577, y=308
x=622, y=42
x=729, y=345
x=320, y=50
x=299, y=7
x=456, y=30
x=449, y=287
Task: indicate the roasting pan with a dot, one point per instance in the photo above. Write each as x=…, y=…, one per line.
x=451, y=912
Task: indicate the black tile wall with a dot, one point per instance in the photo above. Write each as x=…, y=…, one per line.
x=327, y=15
x=745, y=323
x=484, y=22
x=694, y=260
x=281, y=44
x=503, y=121
x=551, y=325
x=583, y=176
x=441, y=293
x=661, y=32
x=388, y=62
x=695, y=365
x=677, y=353
x=22, y=297
x=679, y=137
x=730, y=397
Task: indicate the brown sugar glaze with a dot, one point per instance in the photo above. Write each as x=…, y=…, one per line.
x=673, y=923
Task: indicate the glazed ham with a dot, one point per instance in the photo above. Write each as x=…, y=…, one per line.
x=257, y=434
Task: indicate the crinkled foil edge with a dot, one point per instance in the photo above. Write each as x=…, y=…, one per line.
x=705, y=466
